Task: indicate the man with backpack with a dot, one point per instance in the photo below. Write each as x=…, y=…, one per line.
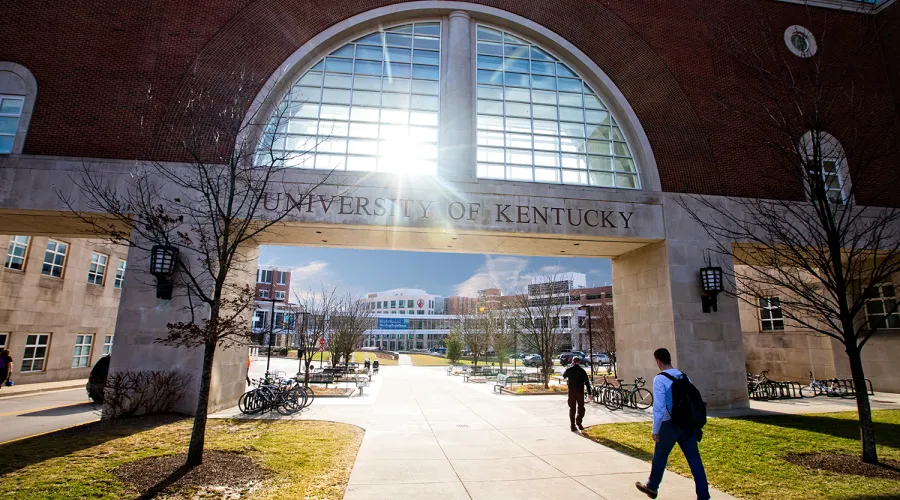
x=679, y=414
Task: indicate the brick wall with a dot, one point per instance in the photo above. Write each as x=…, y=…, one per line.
x=96, y=64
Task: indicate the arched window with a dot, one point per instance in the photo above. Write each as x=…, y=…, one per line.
x=826, y=164
x=373, y=105
x=18, y=90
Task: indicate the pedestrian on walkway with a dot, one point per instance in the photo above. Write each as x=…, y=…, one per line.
x=673, y=423
x=6, y=367
x=578, y=382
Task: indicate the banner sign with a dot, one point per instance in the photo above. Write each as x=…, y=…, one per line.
x=393, y=323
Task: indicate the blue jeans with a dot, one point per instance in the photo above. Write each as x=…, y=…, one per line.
x=669, y=434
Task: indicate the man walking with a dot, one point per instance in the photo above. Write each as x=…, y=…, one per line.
x=666, y=433
x=578, y=382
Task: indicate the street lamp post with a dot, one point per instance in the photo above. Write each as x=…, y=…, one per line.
x=301, y=341
x=587, y=308
x=271, y=338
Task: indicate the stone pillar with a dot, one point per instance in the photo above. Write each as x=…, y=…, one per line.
x=142, y=319
x=457, y=134
x=658, y=304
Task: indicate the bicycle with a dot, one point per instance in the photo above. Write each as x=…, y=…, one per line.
x=759, y=387
x=282, y=395
x=637, y=396
x=831, y=388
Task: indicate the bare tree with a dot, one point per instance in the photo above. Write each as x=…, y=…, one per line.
x=500, y=327
x=315, y=310
x=472, y=331
x=603, y=331
x=351, y=319
x=539, y=310
x=815, y=238
x=210, y=208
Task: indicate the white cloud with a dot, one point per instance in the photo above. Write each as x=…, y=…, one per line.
x=505, y=273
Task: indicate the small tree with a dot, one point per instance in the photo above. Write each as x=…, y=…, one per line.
x=454, y=346
x=501, y=329
x=316, y=309
x=826, y=152
x=539, y=310
x=603, y=331
x=472, y=331
x=210, y=208
x=351, y=319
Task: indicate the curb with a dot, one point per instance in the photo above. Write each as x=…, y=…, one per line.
x=41, y=390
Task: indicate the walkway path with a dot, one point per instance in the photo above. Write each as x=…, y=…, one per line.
x=431, y=436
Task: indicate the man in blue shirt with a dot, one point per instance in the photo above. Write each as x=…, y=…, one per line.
x=666, y=433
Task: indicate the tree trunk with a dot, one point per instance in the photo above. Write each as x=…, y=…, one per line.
x=306, y=375
x=866, y=427
x=198, y=432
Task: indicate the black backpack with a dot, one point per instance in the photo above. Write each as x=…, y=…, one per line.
x=688, y=408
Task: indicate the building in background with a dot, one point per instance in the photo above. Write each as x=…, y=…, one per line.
x=273, y=296
x=58, y=304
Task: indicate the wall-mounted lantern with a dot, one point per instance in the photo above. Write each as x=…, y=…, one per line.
x=711, y=278
x=162, y=265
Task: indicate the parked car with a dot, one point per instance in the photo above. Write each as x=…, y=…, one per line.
x=97, y=380
x=566, y=358
x=600, y=359
x=533, y=360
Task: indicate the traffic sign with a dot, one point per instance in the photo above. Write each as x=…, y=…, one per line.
x=322, y=342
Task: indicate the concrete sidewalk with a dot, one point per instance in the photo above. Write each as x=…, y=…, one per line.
x=431, y=436
x=20, y=390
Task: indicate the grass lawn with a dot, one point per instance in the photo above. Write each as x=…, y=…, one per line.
x=305, y=459
x=744, y=456
x=428, y=360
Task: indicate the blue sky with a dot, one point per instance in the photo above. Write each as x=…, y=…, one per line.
x=361, y=271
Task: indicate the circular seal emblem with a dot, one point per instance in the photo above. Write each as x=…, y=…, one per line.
x=420, y=303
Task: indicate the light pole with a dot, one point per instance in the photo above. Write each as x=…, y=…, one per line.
x=587, y=308
x=301, y=341
x=271, y=338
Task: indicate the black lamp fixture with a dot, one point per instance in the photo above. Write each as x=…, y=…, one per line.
x=711, y=278
x=162, y=265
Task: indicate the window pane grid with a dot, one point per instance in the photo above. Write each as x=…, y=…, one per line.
x=881, y=307
x=16, y=252
x=54, y=259
x=770, y=314
x=97, y=271
x=371, y=105
x=10, y=112
x=522, y=89
x=120, y=274
x=82, y=355
x=107, y=344
x=35, y=355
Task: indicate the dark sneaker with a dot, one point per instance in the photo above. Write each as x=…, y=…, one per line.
x=645, y=490
x=574, y=429
x=580, y=427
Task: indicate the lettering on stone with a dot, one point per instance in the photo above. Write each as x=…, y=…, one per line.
x=422, y=209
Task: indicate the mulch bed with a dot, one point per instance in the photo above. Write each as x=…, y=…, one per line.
x=846, y=464
x=224, y=474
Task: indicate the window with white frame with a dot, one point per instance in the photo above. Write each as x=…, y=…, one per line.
x=97, y=271
x=55, y=258
x=10, y=112
x=35, y=356
x=82, y=355
x=264, y=276
x=4, y=340
x=107, y=344
x=120, y=274
x=881, y=307
x=770, y=314
x=279, y=295
x=373, y=105
x=281, y=277
x=264, y=293
x=826, y=163
x=17, y=252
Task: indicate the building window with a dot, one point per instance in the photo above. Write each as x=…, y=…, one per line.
x=97, y=271
x=55, y=258
x=264, y=276
x=379, y=305
x=371, y=105
x=259, y=320
x=17, y=252
x=281, y=277
x=770, y=315
x=264, y=293
x=120, y=274
x=279, y=295
x=410, y=303
x=82, y=355
x=393, y=304
x=826, y=165
x=4, y=340
x=107, y=344
x=539, y=121
x=881, y=307
x=35, y=355
x=10, y=112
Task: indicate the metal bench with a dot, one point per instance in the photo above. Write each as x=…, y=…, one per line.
x=504, y=380
x=362, y=384
x=321, y=378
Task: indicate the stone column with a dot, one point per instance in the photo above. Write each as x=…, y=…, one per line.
x=142, y=319
x=457, y=134
x=657, y=304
